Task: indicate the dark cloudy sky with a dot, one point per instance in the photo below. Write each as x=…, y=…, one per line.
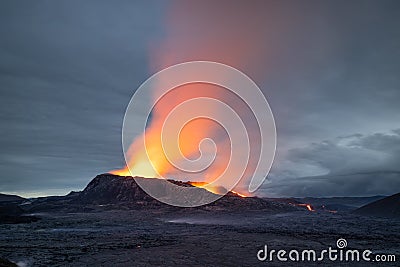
x=69, y=68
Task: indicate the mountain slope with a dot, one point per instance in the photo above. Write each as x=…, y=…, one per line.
x=10, y=198
x=388, y=207
x=113, y=189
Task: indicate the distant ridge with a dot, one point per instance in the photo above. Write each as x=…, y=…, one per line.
x=10, y=198
x=388, y=207
x=339, y=203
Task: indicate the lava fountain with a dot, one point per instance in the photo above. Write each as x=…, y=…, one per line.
x=199, y=129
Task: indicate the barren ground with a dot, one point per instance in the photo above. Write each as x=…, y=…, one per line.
x=195, y=238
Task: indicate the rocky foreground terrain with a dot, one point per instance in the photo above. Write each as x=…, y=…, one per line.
x=112, y=222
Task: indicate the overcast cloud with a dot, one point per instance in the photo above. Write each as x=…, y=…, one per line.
x=331, y=75
x=351, y=165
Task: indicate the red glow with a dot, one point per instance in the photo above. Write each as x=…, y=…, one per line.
x=308, y=206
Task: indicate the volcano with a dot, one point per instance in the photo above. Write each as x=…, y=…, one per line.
x=109, y=191
x=113, y=189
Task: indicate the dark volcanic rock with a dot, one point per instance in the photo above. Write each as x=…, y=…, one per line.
x=11, y=198
x=108, y=191
x=236, y=203
x=7, y=263
x=111, y=189
x=388, y=207
x=11, y=212
x=10, y=209
x=11, y=219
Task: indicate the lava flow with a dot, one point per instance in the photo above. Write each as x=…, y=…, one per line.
x=308, y=206
x=213, y=189
x=239, y=194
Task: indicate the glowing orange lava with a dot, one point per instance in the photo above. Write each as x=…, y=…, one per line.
x=308, y=206
x=121, y=172
x=237, y=193
x=206, y=186
x=213, y=189
x=146, y=155
x=181, y=45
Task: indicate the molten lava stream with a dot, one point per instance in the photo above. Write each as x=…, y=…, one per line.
x=308, y=206
x=237, y=193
